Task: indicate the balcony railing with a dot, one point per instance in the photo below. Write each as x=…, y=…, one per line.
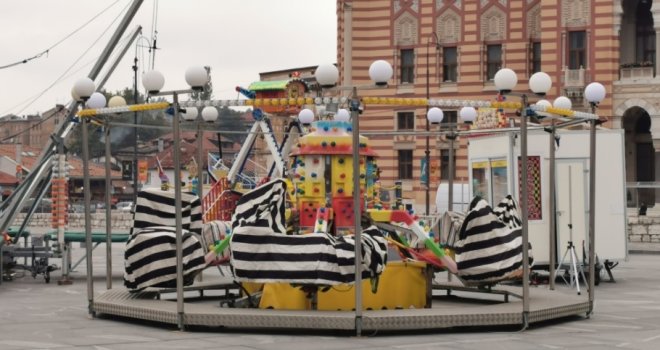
x=633, y=73
x=574, y=77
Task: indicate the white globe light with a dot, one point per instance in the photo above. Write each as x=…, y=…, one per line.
x=544, y=103
x=594, y=92
x=380, y=72
x=210, y=114
x=197, y=77
x=326, y=75
x=84, y=88
x=153, y=81
x=74, y=95
x=468, y=114
x=190, y=113
x=540, y=83
x=342, y=115
x=116, y=101
x=505, y=80
x=306, y=116
x=563, y=102
x=435, y=115
x=96, y=100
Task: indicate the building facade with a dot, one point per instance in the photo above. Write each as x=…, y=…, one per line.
x=451, y=49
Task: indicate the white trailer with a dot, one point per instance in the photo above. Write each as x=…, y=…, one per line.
x=494, y=172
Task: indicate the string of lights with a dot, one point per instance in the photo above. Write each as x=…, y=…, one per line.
x=318, y=101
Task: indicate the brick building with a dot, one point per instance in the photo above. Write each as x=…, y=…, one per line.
x=451, y=49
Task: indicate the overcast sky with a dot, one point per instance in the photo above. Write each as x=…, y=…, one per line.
x=237, y=38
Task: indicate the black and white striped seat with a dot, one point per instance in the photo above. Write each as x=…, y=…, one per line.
x=150, y=255
x=489, y=247
x=261, y=251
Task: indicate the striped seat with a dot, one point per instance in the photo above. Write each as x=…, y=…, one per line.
x=150, y=255
x=489, y=246
x=261, y=251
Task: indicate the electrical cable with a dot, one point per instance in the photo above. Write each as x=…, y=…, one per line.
x=75, y=62
x=46, y=51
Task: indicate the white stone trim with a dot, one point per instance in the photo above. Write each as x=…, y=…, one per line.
x=635, y=102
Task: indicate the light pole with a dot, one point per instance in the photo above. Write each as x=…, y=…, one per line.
x=84, y=88
x=327, y=76
x=153, y=82
x=435, y=116
x=540, y=83
x=427, y=152
x=468, y=115
x=553, y=199
x=594, y=93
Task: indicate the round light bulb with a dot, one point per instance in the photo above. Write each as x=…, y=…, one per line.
x=210, y=114
x=74, y=95
x=326, y=75
x=540, y=83
x=197, y=77
x=595, y=92
x=544, y=103
x=84, y=88
x=153, y=81
x=306, y=116
x=435, y=115
x=190, y=113
x=116, y=101
x=96, y=100
x=505, y=80
x=468, y=114
x=563, y=102
x=380, y=72
x=342, y=115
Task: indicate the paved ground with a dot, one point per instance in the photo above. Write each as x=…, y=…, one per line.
x=36, y=315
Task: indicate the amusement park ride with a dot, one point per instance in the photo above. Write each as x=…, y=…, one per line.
x=330, y=197
x=320, y=206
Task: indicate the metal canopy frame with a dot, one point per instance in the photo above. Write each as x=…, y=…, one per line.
x=543, y=306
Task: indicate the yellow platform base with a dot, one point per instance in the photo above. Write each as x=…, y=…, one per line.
x=402, y=285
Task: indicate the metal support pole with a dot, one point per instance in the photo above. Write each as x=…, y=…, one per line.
x=427, y=152
x=177, y=216
x=200, y=161
x=88, y=216
x=108, y=208
x=65, y=249
x=135, y=129
x=592, y=210
x=450, y=176
x=524, y=210
x=357, y=220
x=553, y=209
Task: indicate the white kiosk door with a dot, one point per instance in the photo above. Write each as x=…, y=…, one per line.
x=571, y=206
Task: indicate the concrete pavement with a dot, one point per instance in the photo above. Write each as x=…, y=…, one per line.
x=36, y=315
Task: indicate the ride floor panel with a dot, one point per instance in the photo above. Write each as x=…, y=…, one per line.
x=447, y=311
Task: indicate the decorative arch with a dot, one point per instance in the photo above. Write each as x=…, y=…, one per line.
x=406, y=30
x=641, y=155
x=448, y=27
x=534, y=22
x=575, y=13
x=493, y=24
x=635, y=102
